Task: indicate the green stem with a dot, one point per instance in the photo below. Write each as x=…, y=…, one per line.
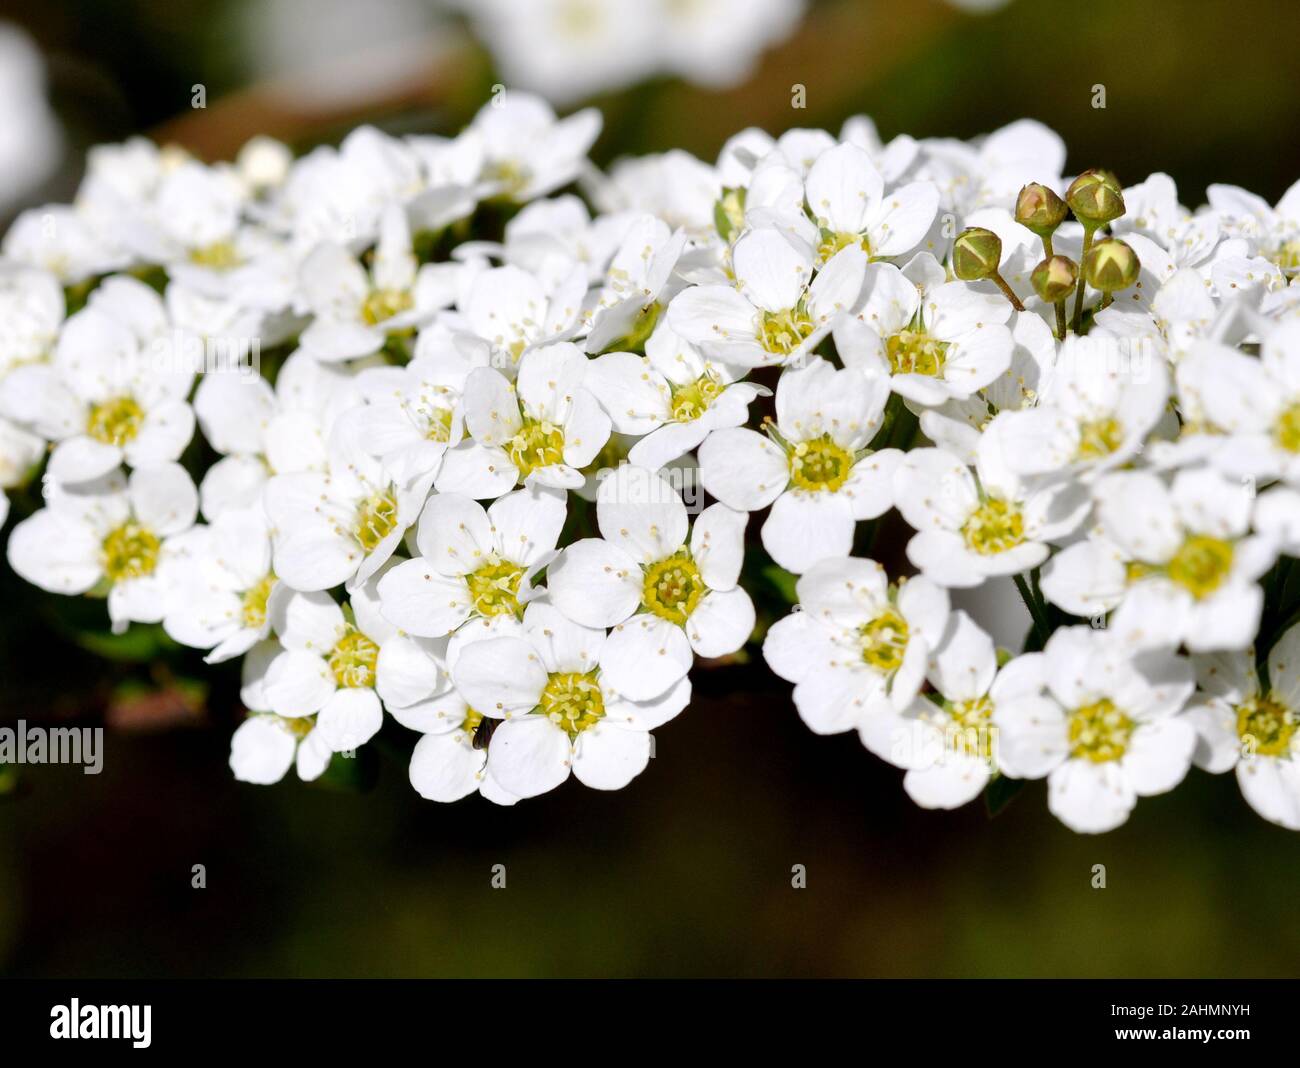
x=1008, y=292
x=1078, y=299
x=1036, y=612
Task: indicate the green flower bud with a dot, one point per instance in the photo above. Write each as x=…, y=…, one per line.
x=1095, y=198
x=1054, y=278
x=1111, y=265
x=976, y=254
x=1040, y=210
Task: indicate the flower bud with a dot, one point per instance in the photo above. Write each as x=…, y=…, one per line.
x=1095, y=198
x=1111, y=265
x=1054, y=278
x=1039, y=209
x=976, y=254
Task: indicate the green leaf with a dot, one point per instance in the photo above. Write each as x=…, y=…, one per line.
x=1000, y=792
x=137, y=645
x=782, y=581
x=352, y=774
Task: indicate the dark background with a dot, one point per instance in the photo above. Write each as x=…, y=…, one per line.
x=688, y=871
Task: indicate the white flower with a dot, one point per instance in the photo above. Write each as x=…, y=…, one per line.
x=814, y=470
x=59, y=239
x=1104, y=731
x=450, y=759
x=1176, y=563
x=673, y=396
x=969, y=529
x=568, y=50
x=527, y=151
x=1275, y=230
x=1242, y=726
x=542, y=428
x=946, y=344
x=330, y=663
x=512, y=310
x=956, y=425
x=857, y=648
x=846, y=198
x=1257, y=402
x=638, y=283
x=223, y=585
x=560, y=712
x=716, y=43
x=946, y=739
x=1180, y=313
x=1096, y=406
x=115, y=389
x=30, y=139
x=340, y=526
x=474, y=563
x=414, y=413
x=262, y=431
x=665, y=593
x=265, y=745
x=355, y=311
x=112, y=534
x=778, y=311
x=194, y=226
x=992, y=172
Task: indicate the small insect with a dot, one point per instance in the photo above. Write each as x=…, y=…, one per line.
x=483, y=732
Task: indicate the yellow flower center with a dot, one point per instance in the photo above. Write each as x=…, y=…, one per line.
x=252, y=611
x=833, y=241
x=538, y=444
x=494, y=588
x=471, y=721
x=1099, y=732
x=572, y=701
x=820, y=464
x=376, y=518
x=439, y=425
x=970, y=731
x=673, y=587
x=994, y=527
x=1286, y=431
x=1288, y=256
x=298, y=726
x=692, y=400
x=1268, y=725
x=884, y=641
x=1099, y=437
x=130, y=551
x=512, y=176
x=383, y=304
x=784, y=331
x=219, y=256
x=116, y=421
x=353, y=661
x=913, y=352
x=1201, y=564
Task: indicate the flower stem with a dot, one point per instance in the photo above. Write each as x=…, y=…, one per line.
x=1078, y=299
x=1008, y=292
x=1036, y=612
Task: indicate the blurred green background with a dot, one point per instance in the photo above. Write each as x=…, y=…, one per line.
x=688, y=871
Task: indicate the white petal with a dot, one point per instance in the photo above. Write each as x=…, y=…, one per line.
x=349, y=719
x=721, y=623
x=529, y=755
x=608, y=756
x=595, y=583
x=644, y=657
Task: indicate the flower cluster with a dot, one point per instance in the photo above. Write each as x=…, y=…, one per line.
x=414, y=429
